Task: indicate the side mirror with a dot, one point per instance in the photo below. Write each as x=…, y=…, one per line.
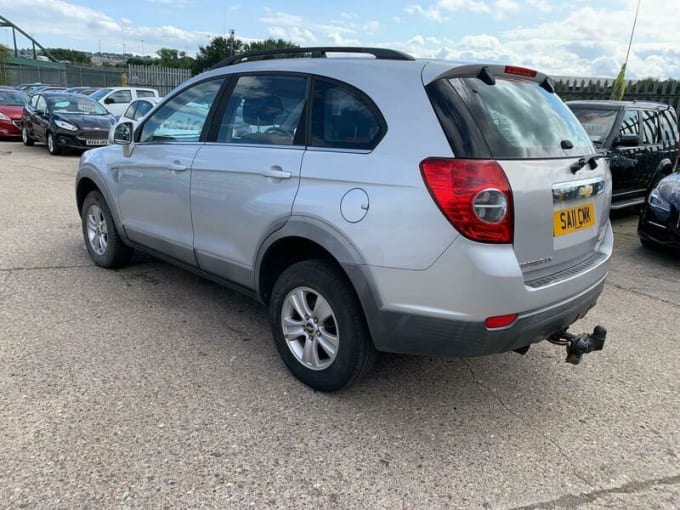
x=109, y=100
x=123, y=134
x=627, y=141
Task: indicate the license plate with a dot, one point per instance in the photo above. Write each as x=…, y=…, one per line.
x=566, y=221
x=97, y=142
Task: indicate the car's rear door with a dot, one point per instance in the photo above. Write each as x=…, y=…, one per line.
x=246, y=176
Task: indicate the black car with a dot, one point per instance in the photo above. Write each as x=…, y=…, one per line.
x=65, y=121
x=639, y=138
x=660, y=219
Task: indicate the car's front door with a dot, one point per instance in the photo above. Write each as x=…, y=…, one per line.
x=154, y=182
x=246, y=176
x=40, y=119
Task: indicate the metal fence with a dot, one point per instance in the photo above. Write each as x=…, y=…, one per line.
x=645, y=90
x=164, y=79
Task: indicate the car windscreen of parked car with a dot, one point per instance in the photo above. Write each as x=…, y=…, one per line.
x=11, y=98
x=597, y=122
x=520, y=119
x=76, y=105
x=98, y=94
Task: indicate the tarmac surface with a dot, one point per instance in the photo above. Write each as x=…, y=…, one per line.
x=149, y=387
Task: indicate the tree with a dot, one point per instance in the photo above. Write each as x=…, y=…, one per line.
x=5, y=55
x=73, y=56
x=174, y=58
x=218, y=49
x=221, y=48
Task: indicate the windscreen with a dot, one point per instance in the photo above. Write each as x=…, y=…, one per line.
x=597, y=123
x=76, y=105
x=98, y=94
x=521, y=120
x=11, y=98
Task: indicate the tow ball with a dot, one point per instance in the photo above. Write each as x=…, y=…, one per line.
x=578, y=345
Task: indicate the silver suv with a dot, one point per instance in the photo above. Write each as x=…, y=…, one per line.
x=374, y=204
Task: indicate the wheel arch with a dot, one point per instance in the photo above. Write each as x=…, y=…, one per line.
x=301, y=239
x=88, y=181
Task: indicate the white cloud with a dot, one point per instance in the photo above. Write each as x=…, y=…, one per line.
x=439, y=11
x=371, y=27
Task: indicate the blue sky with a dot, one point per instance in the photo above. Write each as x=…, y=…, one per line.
x=577, y=37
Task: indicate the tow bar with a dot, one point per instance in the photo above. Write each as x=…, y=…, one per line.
x=578, y=345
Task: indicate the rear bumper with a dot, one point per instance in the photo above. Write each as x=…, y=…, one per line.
x=441, y=310
x=413, y=334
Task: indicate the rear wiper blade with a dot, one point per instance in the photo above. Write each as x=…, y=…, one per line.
x=590, y=160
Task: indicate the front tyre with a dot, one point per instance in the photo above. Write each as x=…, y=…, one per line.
x=26, y=138
x=101, y=237
x=52, y=146
x=319, y=327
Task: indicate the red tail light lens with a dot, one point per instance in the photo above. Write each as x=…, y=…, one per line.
x=474, y=195
x=520, y=71
x=500, y=321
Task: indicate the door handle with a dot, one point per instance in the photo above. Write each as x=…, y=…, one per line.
x=276, y=172
x=176, y=167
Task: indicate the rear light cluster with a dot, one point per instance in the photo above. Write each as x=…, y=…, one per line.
x=520, y=71
x=474, y=195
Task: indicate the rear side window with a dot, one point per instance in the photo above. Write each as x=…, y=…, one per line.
x=669, y=127
x=521, y=120
x=343, y=118
x=650, y=127
x=145, y=93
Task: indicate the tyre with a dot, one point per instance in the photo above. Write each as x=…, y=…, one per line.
x=647, y=243
x=319, y=327
x=101, y=237
x=26, y=138
x=52, y=146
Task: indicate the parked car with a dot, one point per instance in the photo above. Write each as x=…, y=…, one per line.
x=117, y=99
x=65, y=121
x=384, y=204
x=640, y=139
x=660, y=219
x=139, y=108
x=11, y=105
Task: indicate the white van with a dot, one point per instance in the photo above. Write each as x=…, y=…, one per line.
x=117, y=99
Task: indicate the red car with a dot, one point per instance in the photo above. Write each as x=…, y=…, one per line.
x=11, y=106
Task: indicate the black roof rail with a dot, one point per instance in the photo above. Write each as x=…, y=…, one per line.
x=316, y=52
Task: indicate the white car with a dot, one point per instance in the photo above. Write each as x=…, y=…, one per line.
x=117, y=99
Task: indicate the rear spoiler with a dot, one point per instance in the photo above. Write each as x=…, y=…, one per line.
x=489, y=73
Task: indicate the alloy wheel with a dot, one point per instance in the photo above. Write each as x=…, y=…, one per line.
x=310, y=328
x=97, y=230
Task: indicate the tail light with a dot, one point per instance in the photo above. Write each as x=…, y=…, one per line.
x=474, y=195
x=520, y=71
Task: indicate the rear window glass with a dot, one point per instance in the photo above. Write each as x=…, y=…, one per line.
x=597, y=123
x=521, y=120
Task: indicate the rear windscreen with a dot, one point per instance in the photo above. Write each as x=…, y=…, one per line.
x=519, y=119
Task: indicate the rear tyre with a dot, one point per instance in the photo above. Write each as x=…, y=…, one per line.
x=319, y=327
x=26, y=138
x=52, y=146
x=101, y=237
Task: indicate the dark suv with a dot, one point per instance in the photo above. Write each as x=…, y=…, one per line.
x=639, y=138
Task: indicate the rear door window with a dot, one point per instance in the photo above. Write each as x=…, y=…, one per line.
x=521, y=120
x=343, y=117
x=264, y=110
x=650, y=127
x=669, y=128
x=145, y=93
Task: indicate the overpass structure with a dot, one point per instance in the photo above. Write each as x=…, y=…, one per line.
x=5, y=23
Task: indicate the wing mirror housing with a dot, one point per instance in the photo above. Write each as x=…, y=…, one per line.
x=627, y=141
x=122, y=134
